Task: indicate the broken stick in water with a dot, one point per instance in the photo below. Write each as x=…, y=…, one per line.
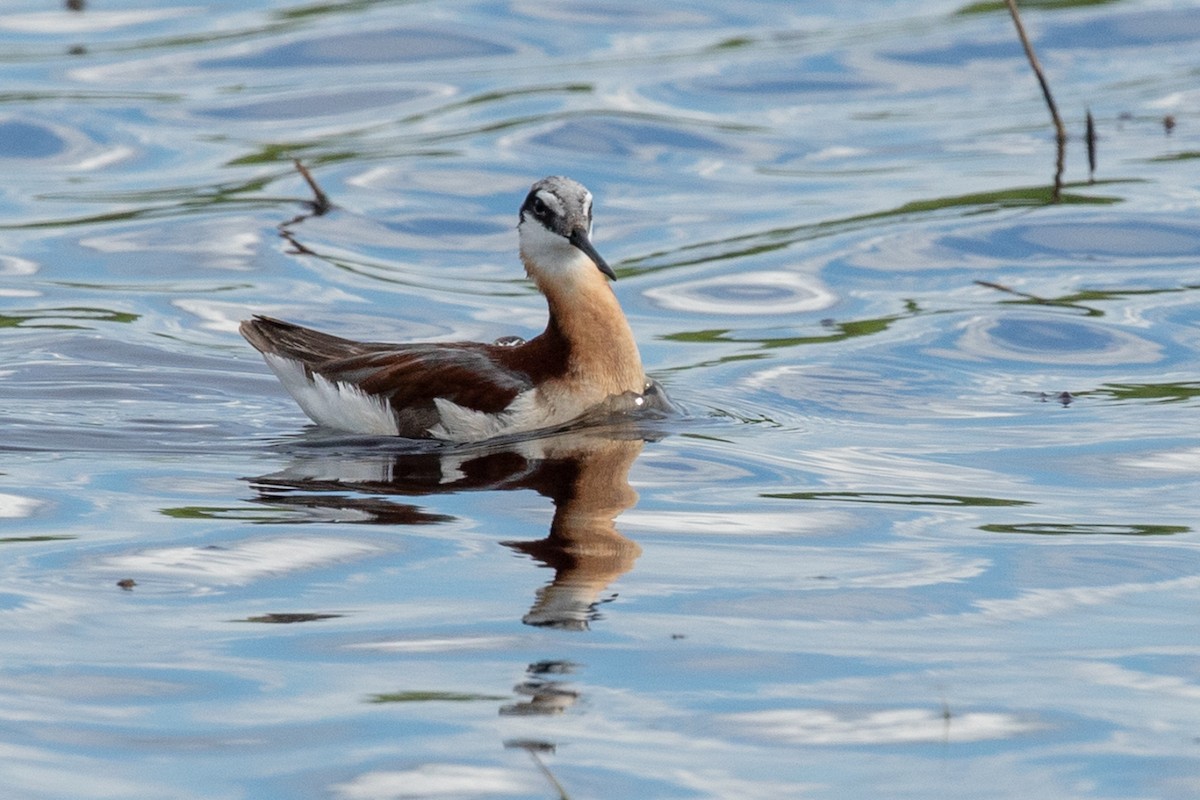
x=1060, y=131
x=320, y=202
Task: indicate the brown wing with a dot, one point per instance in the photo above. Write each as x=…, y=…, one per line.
x=409, y=376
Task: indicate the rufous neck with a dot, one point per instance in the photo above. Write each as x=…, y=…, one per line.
x=585, y=312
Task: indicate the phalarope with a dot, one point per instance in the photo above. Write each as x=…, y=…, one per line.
x=585, y=362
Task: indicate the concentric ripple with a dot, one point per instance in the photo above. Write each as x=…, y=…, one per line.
x=758, y=293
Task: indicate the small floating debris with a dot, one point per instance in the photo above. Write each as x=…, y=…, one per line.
x=1063, y=398
x=127, y=584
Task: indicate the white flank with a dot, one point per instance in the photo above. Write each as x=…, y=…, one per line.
x=461, y=424
x=345, y=407
x=334, y=405
x=528, y=411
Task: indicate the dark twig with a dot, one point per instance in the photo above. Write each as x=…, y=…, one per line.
x=541, y=765
x=317, y=207
x=1060, y=130
x=533, y=747
x=320, y=202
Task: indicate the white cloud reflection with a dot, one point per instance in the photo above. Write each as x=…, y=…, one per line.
x=242, y=562
x=213, y=244
x=435, y=780
x=57, y=22
x=437, y=645
x=15, y=506
x=1183, y=461
x=892, y=726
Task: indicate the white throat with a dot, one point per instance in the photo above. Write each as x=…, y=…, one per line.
x=551, y=258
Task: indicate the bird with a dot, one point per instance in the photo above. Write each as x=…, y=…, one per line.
x=584, y=365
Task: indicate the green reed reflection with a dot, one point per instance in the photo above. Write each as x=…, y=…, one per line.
x=1160, y=392
x=1082, y=300
x=840, y=331
x=1088, y=529
x=46, y=317
x=902, y=499
x=993, y=6
x=743, y=246
x=433, y=696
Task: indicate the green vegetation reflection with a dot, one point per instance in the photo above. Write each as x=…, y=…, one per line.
x=428, y=697
x=242, y=513
x=1154, y=392
x=43, y=317
x=27, y=539
x=779, y=238
x=1186, y=155
x=1086, y=529
x=1084, y=300
x=305, y=12
x=839, y=331
x=992, y=6
x=157, y=203
x=889, y=498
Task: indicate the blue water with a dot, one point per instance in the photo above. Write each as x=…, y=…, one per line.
x=925, y=524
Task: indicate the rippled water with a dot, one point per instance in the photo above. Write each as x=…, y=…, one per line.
x=925, y=526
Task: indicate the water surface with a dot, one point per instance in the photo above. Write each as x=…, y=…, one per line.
x=925, y=525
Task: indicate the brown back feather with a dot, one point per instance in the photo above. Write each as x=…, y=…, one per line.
x=482, y=377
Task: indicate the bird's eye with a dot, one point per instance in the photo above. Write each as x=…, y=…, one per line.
x=539, y=206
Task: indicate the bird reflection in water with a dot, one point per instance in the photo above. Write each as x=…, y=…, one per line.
x=583, y=472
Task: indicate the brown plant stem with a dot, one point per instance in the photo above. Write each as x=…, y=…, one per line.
x=320, y=202
x=1059, y=128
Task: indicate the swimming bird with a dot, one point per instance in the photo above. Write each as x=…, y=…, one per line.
x=585, y=363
